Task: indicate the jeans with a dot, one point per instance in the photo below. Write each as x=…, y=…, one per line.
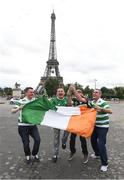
x=98, y=142
x=65, y=137
x=25, y=132
x=83, y=144
x=57, y=140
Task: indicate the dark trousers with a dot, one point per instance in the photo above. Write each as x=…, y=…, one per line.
x=98, y=142
x=25, y=132
x=83, y=144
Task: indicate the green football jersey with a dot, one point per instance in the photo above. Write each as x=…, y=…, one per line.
x=59, y=102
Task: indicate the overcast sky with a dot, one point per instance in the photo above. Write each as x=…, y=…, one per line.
x=89, y=40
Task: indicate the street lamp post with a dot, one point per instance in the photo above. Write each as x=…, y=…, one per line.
x=95, y=82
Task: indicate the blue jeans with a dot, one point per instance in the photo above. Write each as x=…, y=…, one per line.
x=98, y=142
x=25, y=132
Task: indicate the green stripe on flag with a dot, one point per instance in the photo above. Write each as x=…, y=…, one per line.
x=33, y=112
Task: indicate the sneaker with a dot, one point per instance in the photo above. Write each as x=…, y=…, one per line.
x=54, y=159
x=63, y=146
x=36, y=158
x=70, y=156
x=85, y=160
x=104, y=168
x=94, y=156
x=28, y=160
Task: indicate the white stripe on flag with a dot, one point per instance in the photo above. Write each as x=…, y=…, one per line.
x=55, y=120
x=68, y=111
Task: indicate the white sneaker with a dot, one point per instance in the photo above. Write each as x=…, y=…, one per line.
x=94, y=156
x=27, y=158
x=54, y=159
x=85, y=160
x=104, y=168
x=70, y=156
x=36, y=158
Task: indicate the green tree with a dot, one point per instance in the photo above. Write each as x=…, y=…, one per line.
x=105, y=92
x=112, y=93
x=108, y=93
x=51, y=86
x=1, y=92
x=119, y=92
x=88, y=91
x=8, y=91
x=78, y=86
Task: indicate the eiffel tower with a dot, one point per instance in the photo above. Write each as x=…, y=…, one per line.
x=52, y=67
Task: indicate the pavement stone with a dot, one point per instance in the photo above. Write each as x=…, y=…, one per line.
x=12, y=162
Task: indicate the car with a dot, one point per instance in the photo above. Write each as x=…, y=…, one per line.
x=14, y=100
x=8, y=97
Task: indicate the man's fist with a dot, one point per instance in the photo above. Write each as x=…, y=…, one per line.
x=72, y=88
x=20, y=107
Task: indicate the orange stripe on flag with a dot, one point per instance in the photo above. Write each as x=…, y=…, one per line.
x=83, y=124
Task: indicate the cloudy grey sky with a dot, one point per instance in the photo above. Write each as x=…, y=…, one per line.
x=89, y=40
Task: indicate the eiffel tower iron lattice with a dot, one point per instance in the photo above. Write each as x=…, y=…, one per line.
x=52, y=67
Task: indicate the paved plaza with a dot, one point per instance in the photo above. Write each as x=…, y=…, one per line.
x=13, y=166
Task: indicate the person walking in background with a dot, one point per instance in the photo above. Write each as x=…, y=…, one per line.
x=26, y=130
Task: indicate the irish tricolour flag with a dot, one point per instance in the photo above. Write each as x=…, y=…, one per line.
x=79, y=120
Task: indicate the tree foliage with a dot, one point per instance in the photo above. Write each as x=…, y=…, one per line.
x=1, y=92
x=88, y=91
x=7, y=91
x=119, y=92
x=51, y=86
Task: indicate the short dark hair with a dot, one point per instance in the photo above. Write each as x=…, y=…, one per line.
x=26, y=89
x=60, y=88
x=99, y=91
x=79, y=90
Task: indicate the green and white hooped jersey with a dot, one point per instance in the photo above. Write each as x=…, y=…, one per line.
x=102, y=118
x=23, y=101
